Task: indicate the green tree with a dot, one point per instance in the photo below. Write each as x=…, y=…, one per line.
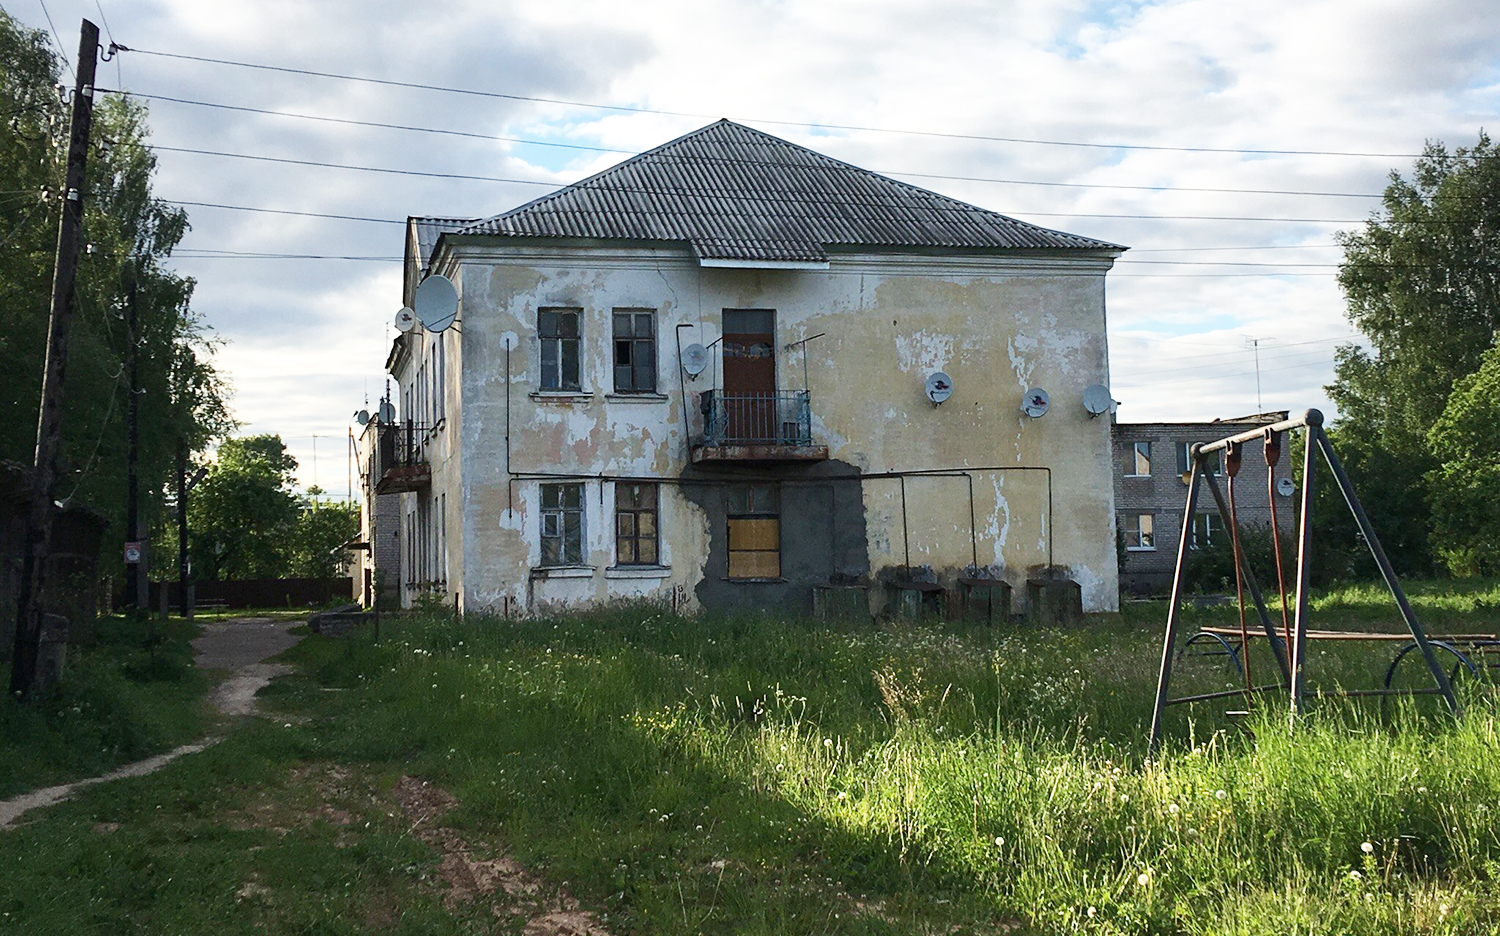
x=242, y=516
x=322, y=527
x=131, y=235
x=1466, y=484
x=1422, y=281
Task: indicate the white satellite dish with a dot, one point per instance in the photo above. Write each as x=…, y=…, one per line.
x=362, y=417
x=436, y=304
x=1034, y=402
x=694, y=359
x=1286, y=487
x=406, y=320
x=386, y=412
x=939, y=387
x=1098, y=400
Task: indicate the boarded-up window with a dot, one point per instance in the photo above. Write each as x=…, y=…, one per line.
x=754, y=512
x=635, y=524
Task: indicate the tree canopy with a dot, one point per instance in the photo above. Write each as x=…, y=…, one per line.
x=130, y=235
x=1422, y=281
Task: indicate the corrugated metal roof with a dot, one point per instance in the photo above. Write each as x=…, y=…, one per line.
x=734, y=193
x=430, y=229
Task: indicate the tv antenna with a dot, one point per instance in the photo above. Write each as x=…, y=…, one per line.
x=1254, y=343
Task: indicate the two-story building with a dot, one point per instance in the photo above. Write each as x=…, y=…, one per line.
x=1151, y=462
x=702, y=376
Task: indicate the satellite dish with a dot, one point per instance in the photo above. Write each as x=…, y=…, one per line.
x=362, y=417
x=406, y=320
x=1098, y=400
x=939, y=387
x=387, y=412
x=694, y=359
x=436, y=303
x=1286, y=487
x=1034, y=402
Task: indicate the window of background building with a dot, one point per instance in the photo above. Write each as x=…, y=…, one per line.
x=559, y=331
x=1184, y=460
x=754, y=512
x=1140, y=531
x=1138, y=460
x=635, y=350
x=635, y=524
x=562, y=524
x=1206, y=526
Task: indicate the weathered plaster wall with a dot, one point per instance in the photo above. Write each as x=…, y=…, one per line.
x=996, y=325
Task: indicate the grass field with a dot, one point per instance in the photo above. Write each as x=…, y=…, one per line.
x=129, y=691
x=744, y=775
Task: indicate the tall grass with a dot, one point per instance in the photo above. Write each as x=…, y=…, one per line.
x=748, y=775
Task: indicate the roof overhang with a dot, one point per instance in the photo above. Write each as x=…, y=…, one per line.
x=728, y=264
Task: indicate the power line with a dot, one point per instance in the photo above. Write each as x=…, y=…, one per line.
x=61, y=49
x=740, y=161
x=283, y=211
x=785, y=123
x=1239, y=351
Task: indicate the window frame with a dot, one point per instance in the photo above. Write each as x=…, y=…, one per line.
x=1145, y=539
x=634, y=342
x=559, y=515
x=1211, y=521
x=1185, y=460
x=553, y=378
x=635, y=510
x=1135, y=453
x=751, y=502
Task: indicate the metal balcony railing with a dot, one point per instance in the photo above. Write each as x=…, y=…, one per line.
x=401, y=462
x=780, y=417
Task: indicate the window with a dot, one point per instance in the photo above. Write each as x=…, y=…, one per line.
x=562, y=524
x=754, y=512
x=442, y=373
x=635, y=351
x=558, y=330
x=1206, y=526
x=1139, y=532
x=1185, y=460
x=1138, y=460
x=635, y=524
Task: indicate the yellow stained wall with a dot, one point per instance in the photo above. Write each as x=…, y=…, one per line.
x=997, y=325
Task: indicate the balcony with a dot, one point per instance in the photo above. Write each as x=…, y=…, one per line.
x=773, y=426
x=401, y=464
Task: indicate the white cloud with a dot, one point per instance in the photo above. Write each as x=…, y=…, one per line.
x=306, y=337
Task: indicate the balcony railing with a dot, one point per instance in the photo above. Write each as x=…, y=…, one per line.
x=401, y=462
x=757, y=426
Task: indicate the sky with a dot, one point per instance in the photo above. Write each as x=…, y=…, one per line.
x=1110, y=112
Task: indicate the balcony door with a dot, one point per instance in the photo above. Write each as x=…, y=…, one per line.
x=749, y=355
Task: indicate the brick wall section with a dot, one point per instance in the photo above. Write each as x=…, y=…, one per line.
x=1163, y=494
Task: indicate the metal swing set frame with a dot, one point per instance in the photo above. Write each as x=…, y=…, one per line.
x=1294, y=635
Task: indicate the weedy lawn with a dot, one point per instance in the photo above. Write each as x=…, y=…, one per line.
x=746, y=775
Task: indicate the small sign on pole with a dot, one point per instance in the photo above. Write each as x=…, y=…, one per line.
x=132, y=553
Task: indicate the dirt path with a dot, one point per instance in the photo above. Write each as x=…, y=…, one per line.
x=240, y=645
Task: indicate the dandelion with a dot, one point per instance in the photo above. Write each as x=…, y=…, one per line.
x=1172, y=808
x=1355, y=875
x=1220, y=794
x=1367, y=847
x=1144, y=879
x=843, y=796
x=828, y=742
x=999, y=841
x=1442, y=910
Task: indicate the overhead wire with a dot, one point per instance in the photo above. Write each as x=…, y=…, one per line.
x=739, y=161
x=62, y=50
x=624, y=108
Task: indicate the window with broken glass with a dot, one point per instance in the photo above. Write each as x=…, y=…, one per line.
x=559, y=331
x=635, y=525
x=562, y=524
x=754, y=517
x=635, y=350
x=1140, y=532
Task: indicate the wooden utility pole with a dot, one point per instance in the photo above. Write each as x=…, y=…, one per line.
x=24, y=669
x=137, y=589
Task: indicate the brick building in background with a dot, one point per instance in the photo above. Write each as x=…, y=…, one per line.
x=1150, y=479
